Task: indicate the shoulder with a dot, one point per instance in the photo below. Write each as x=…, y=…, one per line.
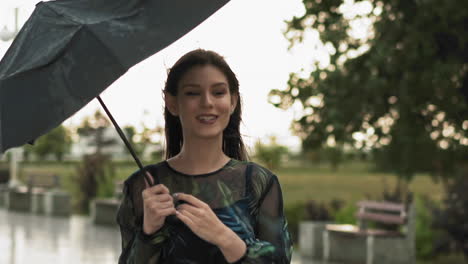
x=261, y=178
x=260, y=172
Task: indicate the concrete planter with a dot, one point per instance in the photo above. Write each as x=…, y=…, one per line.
x=3, y=194
x=104, y=211
x=344, y=247
x=37, y=202
x=57, y=203
x=311, y=238
x=18, y=200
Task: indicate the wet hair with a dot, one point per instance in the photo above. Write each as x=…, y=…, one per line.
x=233, y=146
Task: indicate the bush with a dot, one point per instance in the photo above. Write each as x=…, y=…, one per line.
x=94, y=178
x=453, y=216
x=425, y=234
x=270, y=155
x=321, y=211
x=294, y=214
x=346, y=215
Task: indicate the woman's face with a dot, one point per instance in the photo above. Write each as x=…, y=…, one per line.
x=203, y=102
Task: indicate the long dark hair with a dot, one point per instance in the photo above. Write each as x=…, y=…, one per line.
x=233, y=146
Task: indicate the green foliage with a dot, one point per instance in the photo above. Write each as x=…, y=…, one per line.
x=270, y=155
x=334, y=155
x=94, y=177
x=27, y=151
x=321, y=211
x=57, y=142
x=346, y=215
x=141, y=140
x=425, y=234
x=95, y=127
x=294, y=215
x=453, y=216
x=399, y=86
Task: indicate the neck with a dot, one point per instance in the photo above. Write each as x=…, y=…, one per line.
x=199, y=156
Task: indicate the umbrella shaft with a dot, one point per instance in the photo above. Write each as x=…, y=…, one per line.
x=127, y=144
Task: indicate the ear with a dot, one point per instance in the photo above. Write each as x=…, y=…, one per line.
x=234, y=99
x=171, y=103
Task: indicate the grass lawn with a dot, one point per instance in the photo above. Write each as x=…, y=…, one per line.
x=353, y=181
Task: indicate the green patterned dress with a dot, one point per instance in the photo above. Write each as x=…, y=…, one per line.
x=245, y=196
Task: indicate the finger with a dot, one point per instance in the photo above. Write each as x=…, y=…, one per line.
x=167, y=212
x=157, y=205
x=157, y=189
x=190, y=199
x=156, y=209
x=184, y=218
x=189, y=208
x=150, y=177
x=159, y=198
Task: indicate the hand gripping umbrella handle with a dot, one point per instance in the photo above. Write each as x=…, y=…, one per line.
x=128, y=145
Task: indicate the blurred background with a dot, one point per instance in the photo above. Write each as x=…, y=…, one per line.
x=344, y=100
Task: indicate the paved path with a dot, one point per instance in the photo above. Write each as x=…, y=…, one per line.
x=27, y=238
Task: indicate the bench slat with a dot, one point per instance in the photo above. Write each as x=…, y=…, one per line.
x=43, y=180
x=384, y=218
x=387, y=206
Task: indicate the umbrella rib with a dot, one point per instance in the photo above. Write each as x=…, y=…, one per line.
x=128, y=145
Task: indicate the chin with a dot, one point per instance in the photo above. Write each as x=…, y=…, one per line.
x=209, y=135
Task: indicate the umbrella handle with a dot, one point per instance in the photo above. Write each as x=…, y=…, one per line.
x=145, y=173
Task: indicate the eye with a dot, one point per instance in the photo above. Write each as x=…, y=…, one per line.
x=219, y=93
x=191, y=93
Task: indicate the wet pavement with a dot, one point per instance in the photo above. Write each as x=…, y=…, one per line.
x=27, y=238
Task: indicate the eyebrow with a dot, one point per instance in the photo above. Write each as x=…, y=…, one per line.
x=196, y=85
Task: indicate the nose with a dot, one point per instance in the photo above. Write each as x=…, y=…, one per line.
x=206, y=100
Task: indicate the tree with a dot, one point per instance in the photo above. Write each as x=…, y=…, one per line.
x=271, y=154
x=141, y=140
x=95, y=127
x=57, y=142
x=94, y=177
x=398, y=87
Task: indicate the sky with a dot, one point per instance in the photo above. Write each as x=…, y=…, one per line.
x=249, y=34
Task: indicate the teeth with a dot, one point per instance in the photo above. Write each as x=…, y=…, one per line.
x=206, y=118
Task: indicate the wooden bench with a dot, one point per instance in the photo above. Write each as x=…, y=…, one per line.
x=42, y=181
x=370, y=241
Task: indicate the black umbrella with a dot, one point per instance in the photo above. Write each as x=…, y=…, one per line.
x=69, y=51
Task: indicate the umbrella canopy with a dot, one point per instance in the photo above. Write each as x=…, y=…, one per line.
x=69, y=51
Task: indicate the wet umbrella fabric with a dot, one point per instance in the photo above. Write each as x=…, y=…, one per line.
x=69, y=51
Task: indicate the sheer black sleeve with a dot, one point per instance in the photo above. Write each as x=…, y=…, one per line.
x=136, y=246
x=272, y=243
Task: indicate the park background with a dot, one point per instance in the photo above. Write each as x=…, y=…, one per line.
x=344, y=101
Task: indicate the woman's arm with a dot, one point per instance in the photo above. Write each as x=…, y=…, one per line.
x=136, y=246
x=273, y=242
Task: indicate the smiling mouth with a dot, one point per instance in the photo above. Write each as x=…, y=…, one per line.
x=207, y=118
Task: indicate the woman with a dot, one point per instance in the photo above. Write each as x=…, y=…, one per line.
x=212, y=206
